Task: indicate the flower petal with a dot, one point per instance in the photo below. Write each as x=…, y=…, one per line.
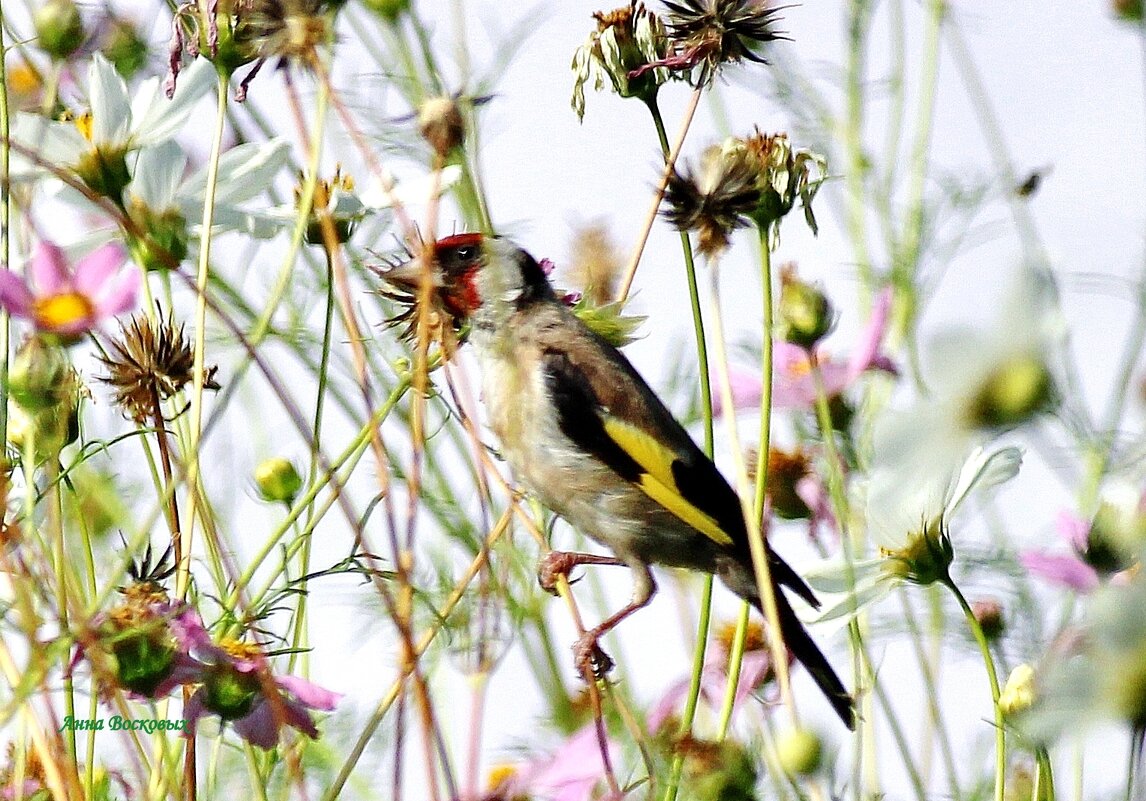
x=259, y=727
x=111, y=104
x=985, y=471
x=14, y=294
x=120, y=294
x=746, y=390
x=192, y=711
x=867, y=352
x=245, y=171
x=155, y=118
x=50, y=272
x=309, y=693
x=94, y=271
x=1067, y=571
x=158, y=173
x=1073, y=529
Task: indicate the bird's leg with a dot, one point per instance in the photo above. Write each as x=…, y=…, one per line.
x=587, y=654
x=558, y=563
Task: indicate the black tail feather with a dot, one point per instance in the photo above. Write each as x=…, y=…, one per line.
x=808, y=654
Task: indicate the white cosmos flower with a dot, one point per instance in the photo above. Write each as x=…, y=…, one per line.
x=981, y=383
x=350, y=208
x=908, y=521
x=96, y=144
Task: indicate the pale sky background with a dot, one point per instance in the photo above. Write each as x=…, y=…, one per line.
x=1066, y=81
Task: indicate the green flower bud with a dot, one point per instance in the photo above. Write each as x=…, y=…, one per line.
x=1129, y=10
x=1118, y=532
x=50, y=430
x=1012, y=395
x=125, y=48
x=144, y=659
x=41, y=376
x=277, y=480
x=105, y=172
x=230, y=693
x=800, y=752
x=59, y=27
x=389, y=10
x=723, y=771
x=163, y=245
x=805, y=312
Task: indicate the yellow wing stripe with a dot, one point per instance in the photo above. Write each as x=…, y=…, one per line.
x=657, y=481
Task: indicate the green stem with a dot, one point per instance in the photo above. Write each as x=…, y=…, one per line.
x=182, y=560
x=5, y=224
x=1044, y=777
x=992, y=677
x=858, y=17
x=705, y=617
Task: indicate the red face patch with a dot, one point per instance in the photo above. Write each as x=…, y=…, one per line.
x=463, y=298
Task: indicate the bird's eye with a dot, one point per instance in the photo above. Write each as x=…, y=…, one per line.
x=466, y=252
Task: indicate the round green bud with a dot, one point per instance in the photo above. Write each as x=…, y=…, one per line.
x=389, y=10
x=806, y=315
x=278, y=480
x=1017, y=391
x=125, y=48
x=41, y=376
x=143, y=660
x=1129, y=10
x=229, y=692
x=59, y=27
x=800, y=752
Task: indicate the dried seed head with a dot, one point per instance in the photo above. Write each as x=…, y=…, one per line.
x=441, y=125
x=711, y=33
x=714, y=201
x=150, y=363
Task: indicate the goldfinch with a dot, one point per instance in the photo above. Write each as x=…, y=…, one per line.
x=585, y=434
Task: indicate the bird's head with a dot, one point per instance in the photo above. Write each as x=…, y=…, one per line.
x=474, y=276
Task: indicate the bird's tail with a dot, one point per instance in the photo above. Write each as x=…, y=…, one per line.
x=808, y=654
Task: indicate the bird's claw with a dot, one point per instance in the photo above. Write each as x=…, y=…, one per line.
x=589, y=658
x=554, y=565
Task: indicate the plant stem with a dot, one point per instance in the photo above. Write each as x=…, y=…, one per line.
x=992, y=677
x=705, y=617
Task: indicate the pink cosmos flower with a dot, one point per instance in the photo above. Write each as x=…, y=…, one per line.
x=1067, y=570
x=69, y=302
x=570, y=773
x=793, y=386
x=238, y=687
x=755, y=669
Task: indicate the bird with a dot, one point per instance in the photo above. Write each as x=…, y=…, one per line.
x=585, y=434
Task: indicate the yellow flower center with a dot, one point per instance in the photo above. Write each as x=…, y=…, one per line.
x=241, y=650
x=24, y=79
x=499, y=775
x=83, y=123
x=61, y=311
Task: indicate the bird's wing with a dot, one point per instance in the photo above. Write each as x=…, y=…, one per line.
x=607, y=409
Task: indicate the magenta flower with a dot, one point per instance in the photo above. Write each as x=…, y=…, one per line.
x=793, y=386
x=570, y=773
x=755, y=670
x=69, y=302
x=238, y=687
x=1067, y=570
x=1092, y=560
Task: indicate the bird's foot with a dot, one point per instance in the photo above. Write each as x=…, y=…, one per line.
x=554, y=565
x=588, y=657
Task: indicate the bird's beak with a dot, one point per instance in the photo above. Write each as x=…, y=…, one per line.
x=410, y=274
